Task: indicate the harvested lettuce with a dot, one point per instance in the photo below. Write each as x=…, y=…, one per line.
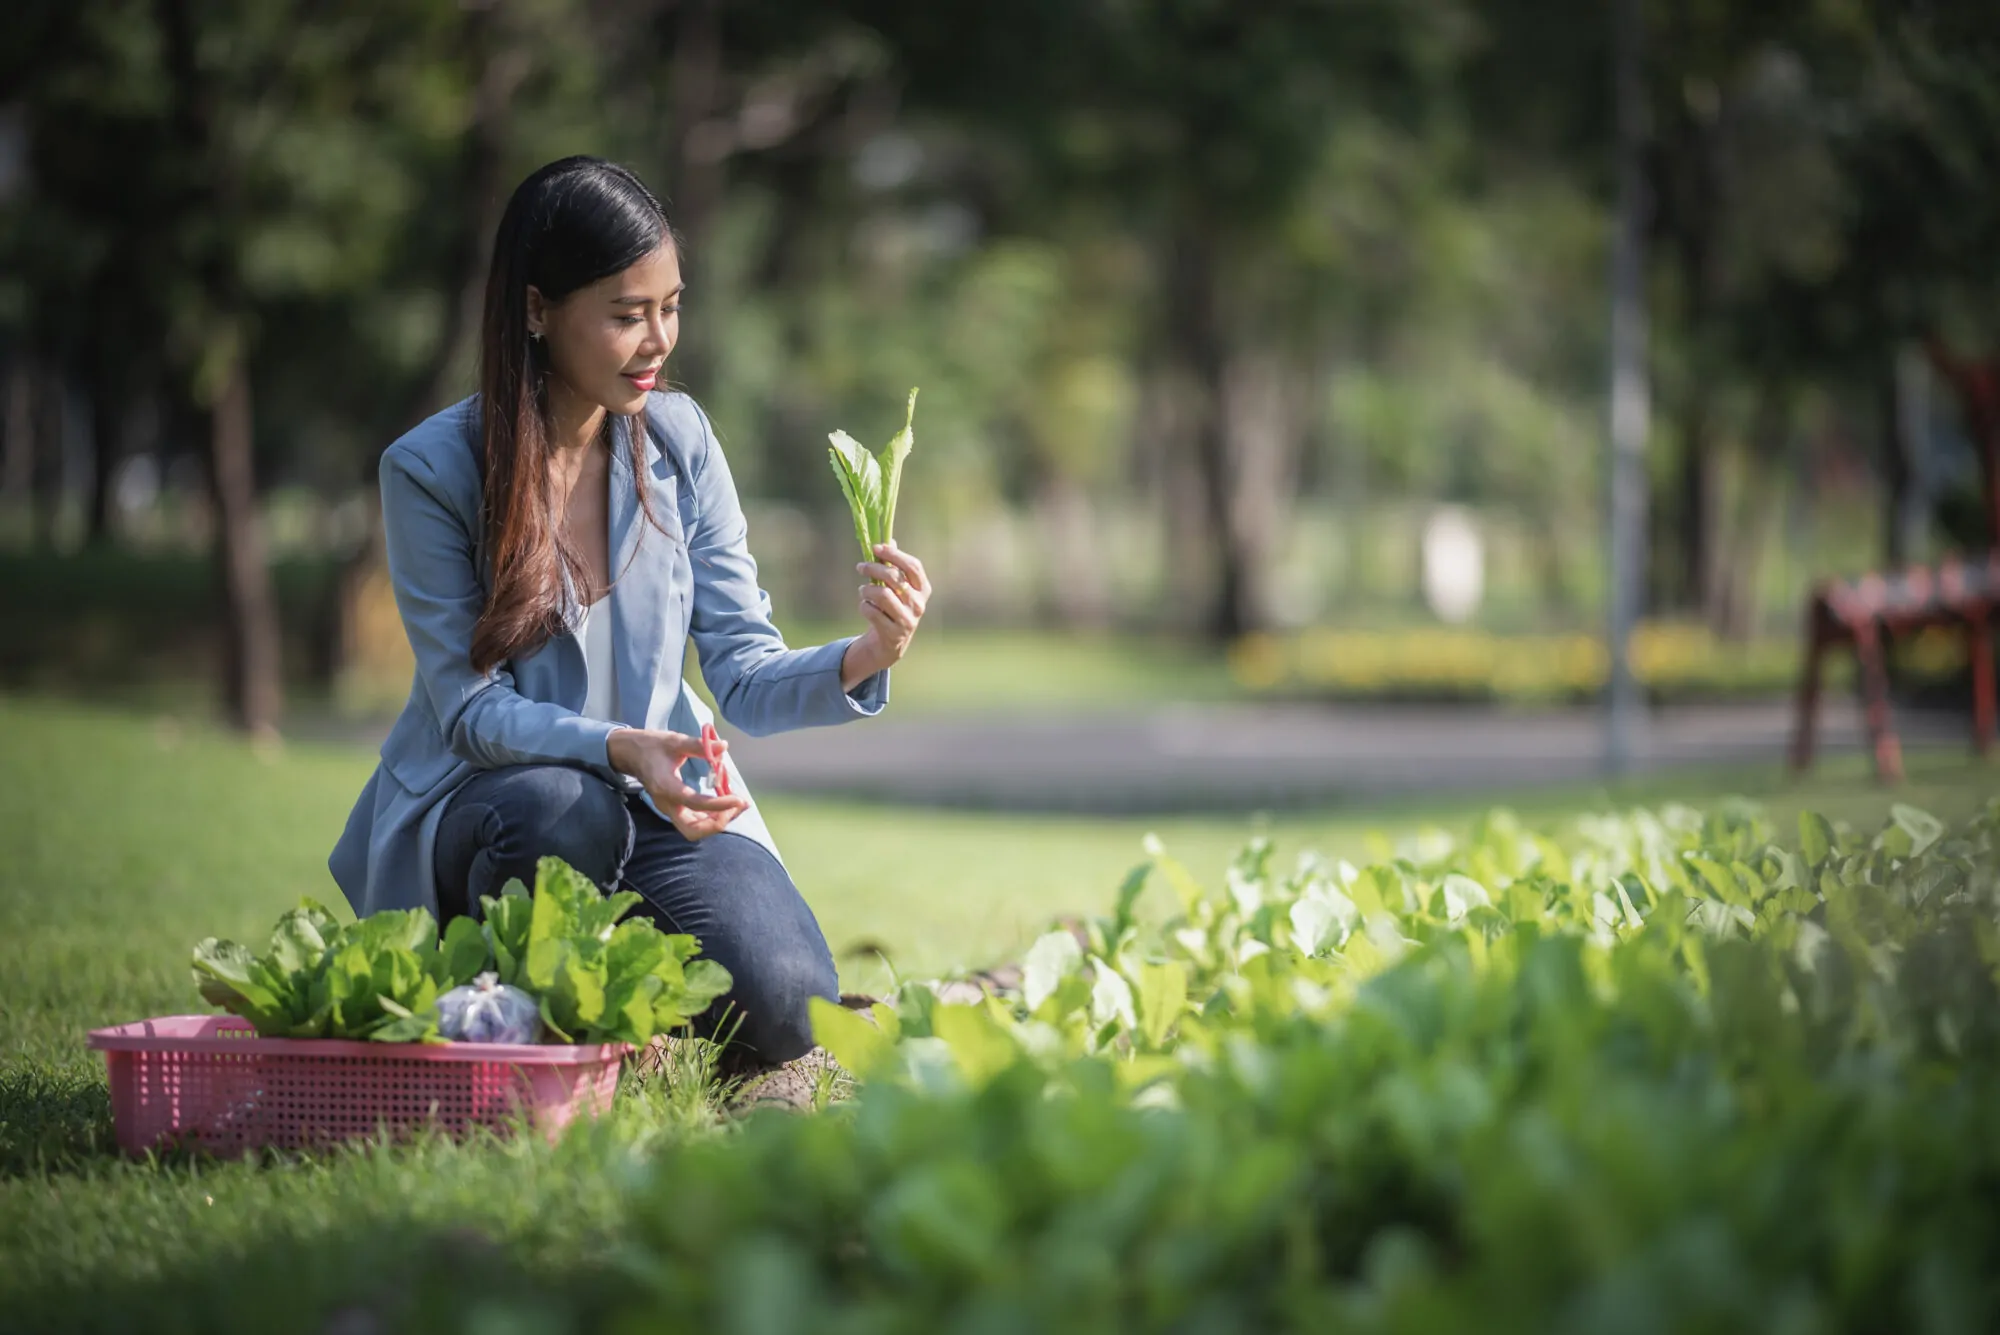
x=589, y=977
x=378, y=978
x=871, y=483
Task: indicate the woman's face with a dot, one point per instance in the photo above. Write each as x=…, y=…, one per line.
x=607, y=342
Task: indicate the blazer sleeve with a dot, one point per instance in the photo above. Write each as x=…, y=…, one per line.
x=431, y=566
x=759, y=684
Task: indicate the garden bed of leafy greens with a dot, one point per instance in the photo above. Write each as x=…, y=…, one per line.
x=1662, y=1070
x=1671, y=1074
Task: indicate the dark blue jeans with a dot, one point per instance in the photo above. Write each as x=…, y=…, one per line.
x=726, y=890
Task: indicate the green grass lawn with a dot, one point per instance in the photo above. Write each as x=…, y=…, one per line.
x=127, y=839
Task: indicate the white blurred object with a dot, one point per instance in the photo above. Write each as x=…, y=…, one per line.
x=1454, y=564
x=487, y=1010
x=887, y=161
x=136, y=484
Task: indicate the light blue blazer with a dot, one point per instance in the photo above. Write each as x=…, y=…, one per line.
x=700, y=585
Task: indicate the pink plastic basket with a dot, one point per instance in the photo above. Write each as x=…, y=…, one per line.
x=209, y=1081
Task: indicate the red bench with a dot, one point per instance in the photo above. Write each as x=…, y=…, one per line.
x=1873, y=610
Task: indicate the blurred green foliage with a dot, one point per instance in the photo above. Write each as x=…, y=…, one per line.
x=1188, y=261
x=1672, y=1075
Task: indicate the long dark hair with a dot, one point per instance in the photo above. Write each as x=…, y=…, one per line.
x=568, y=225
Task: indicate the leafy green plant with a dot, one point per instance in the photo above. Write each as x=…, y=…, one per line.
x=871, y=484
x=1274, y=943
x=378, y=978
x=1669, y=1065
x=596, y=979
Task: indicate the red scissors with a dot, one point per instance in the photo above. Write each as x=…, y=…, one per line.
x=711, y=751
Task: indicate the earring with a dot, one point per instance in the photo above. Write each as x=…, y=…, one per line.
x=535, y=334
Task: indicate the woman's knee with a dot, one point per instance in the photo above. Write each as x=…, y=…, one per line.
x=772, y=1001
x=739, y=902
x=557, y=811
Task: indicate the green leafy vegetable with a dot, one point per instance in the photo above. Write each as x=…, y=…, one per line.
x=596, y=979
x=375, y=979
x=871, y=483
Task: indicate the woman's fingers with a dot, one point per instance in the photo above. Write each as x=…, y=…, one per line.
x=700, y=824
x=696, y=826
x=891, y=606
x=896, y=581
x=877, y=618
x=692, y=825
x=895, y=635
x=892, y=576
x=681, y=795
x=694, y=813
x=682, y=745
x=715, y=822
x=679, y=748
x=911, y=567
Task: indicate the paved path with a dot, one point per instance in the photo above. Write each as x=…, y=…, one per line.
x=1240, y=757
x=1246, y=757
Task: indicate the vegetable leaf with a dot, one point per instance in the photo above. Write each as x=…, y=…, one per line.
x=893, y=455
x=872, y=484
x=855, y=1043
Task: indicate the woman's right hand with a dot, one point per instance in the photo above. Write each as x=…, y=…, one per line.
x=654, y=758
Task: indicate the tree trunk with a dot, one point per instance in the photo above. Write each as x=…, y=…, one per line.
x=252, y=680
x=1165, y=464
x=1203, y=354
x=45, y=472
x=1684, y=556
x=1692, y=189
x=501, y=65
x=1259, y=420
x=1696, y=504
x=700, y=151
x=215, y=374
x=107, y=430
x=17, y=429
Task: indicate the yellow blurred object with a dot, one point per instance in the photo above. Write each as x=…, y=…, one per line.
x=1672, y=657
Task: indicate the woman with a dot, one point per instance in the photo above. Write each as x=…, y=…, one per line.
x=554, y=542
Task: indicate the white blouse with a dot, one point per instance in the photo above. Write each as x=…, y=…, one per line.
x=601, y=697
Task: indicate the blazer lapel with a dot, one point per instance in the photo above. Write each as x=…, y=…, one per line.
x=642, y=573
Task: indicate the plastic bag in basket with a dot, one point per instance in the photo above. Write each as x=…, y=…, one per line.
x=487, y=1010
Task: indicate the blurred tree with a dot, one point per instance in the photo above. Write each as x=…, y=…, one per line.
x=1902, y=104
x=204, y=168
x=481, y=59
x=1745, y=193
x=1198, y=124
x=1924, y=155
x=1217, y=256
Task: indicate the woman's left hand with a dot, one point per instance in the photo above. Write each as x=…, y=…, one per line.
x=892, y=605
